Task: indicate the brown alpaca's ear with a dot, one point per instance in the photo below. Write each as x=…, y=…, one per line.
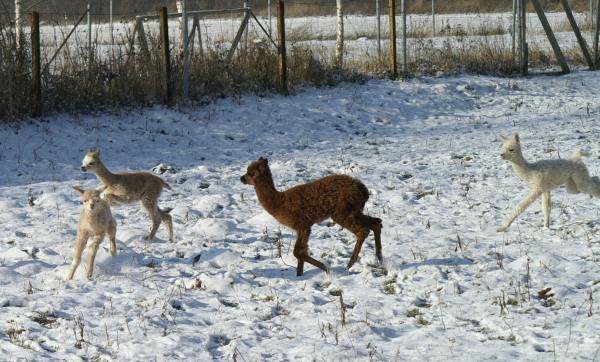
x=517, y=138
x=264, y=160
x=78, y=189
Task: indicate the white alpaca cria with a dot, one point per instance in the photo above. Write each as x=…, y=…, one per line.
x=545, y=175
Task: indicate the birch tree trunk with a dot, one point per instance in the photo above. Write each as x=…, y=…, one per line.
x=339, y=45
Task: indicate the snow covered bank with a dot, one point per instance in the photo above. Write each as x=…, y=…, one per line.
x=452, y=288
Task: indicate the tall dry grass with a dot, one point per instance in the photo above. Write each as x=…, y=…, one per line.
x=78, y=83
x=15, y=75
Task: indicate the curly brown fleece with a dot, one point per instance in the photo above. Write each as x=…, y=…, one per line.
x=339, y=197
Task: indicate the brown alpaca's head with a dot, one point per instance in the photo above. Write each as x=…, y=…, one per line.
x=91, y=160
x=258, y=172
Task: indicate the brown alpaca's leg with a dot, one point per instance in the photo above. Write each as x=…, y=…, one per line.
x=376, y=227
x=361, y=235
x=301, y=253
x=152, y=209
x=360, y=225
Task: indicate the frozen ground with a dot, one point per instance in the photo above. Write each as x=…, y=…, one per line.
x=451, y=287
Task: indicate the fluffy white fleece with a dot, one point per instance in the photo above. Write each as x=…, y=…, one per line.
x=545, y=175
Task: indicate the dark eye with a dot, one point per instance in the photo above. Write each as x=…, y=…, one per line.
x=254, y=173
x=511, y=149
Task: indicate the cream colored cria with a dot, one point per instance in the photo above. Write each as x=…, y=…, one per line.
x=126, y=188
x=545, y=175
x=95, y=222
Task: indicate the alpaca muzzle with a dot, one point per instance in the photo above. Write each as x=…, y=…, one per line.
x=83, y=168
x=243, y=179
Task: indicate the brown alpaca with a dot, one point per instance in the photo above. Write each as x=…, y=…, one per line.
x=126, y=188
x=339, y=197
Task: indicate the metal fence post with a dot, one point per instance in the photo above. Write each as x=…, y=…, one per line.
x=523, y=37
x=110, y=20
x=378, y=15
x=270, y=18
x=514, y=31
x=404, y=48
x=246, y=6
x=186, y=55
x=597, y=35
x=393, y=55
x=89, y=36
x=432, y=18
x=18, y=22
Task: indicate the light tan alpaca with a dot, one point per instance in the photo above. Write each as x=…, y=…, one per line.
x=95, y=221
x=126, y=188
x=544, y=176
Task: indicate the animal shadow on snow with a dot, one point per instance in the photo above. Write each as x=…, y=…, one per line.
x=289, y=272
x=128, y=257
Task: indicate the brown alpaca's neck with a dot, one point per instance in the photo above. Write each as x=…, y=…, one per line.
x=105, y=176
x=268, y=196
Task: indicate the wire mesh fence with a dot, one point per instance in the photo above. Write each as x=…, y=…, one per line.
x=110, y=55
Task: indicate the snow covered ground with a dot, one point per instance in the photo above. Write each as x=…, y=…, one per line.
x=451, y=287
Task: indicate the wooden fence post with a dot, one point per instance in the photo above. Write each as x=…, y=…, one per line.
x=523, y=48
x=393, y=55
x=283, y=86
x=36, y=89
x=164, y=41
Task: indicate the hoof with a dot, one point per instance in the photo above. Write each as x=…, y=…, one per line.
x=350, y=263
